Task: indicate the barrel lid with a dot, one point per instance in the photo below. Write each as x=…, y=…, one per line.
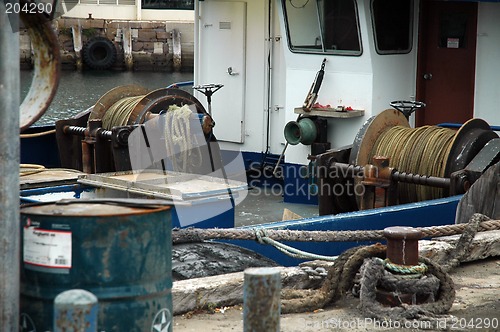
x=96, y=207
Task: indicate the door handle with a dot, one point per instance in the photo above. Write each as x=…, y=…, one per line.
x=427, y=76
x=231, y=72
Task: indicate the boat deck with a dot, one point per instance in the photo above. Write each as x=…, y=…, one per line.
x=263, y=205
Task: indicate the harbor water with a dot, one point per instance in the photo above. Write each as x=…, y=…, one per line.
x=78, y=91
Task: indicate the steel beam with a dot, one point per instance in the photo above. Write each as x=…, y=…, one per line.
x=9, y=170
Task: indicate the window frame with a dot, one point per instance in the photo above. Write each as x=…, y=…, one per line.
x=410, y=32
x=166, y=7
x=294, y=49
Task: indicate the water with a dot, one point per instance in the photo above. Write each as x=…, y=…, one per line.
x=78, y=91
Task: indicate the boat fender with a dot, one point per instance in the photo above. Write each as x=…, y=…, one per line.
x=99, y=53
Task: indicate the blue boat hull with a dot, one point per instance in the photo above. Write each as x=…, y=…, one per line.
x=423, y=214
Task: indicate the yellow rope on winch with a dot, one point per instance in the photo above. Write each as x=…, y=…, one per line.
x=119, y=113
x=422, y=150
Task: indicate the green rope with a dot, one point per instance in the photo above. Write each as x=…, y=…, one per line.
x=421, y=268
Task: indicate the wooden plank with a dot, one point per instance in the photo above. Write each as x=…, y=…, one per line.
x=484, y=245
x=330, y=112
x=482, y=197
x=226, y=289
x=48, y=178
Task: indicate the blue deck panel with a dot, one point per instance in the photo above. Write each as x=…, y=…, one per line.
x=51, y=194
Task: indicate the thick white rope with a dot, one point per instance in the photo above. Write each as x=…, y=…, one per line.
x=181, y=143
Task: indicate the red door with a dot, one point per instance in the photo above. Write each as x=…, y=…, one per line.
x=446, y=61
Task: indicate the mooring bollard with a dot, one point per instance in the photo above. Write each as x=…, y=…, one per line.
x=402, y=244
x=261, y=300
x=75, y=310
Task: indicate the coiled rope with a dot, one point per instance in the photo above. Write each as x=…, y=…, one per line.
x=119, y=113
x=422, y=150
x=182, y=144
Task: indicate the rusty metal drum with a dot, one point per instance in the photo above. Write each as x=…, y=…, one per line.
x=119, y=251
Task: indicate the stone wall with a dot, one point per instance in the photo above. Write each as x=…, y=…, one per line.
x=140, y=45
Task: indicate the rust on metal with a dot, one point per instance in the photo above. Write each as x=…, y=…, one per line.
x=402, y=244
x=47, y=65
x=367, y=137
x=114, y=95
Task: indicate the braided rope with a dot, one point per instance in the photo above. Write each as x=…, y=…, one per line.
x=197, y=235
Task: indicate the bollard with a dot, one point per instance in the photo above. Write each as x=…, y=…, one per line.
x=402, y=244
x=75, y=310
x=261, y=300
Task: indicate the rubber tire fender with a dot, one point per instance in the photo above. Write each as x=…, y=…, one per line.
x=99, y=53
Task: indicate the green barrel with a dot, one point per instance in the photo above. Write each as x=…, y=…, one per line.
x=120, y=253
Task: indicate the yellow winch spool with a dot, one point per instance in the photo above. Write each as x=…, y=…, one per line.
x=422, y=150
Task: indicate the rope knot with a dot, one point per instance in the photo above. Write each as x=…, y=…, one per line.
x=260, y=234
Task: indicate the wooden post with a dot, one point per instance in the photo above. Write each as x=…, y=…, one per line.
x=77, y=45
x=261, y=300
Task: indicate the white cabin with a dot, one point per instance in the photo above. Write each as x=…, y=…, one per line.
x=267, y=54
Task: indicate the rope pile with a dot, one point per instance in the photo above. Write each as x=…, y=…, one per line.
x=430, y=286
x=422, y=150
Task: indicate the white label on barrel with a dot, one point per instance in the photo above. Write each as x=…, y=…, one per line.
x=47, y=248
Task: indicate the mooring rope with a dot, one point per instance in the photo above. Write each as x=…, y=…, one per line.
x=119, y=113
x=422, y=150
x=196, y=235
x=432, y=289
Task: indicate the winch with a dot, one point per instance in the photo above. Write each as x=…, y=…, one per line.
x=97, y=140
x=390, y=163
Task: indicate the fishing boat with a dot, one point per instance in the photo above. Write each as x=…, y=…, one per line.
x=297, y=89
x=380, y=112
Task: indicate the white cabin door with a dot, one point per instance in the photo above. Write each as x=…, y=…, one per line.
x=222, y=60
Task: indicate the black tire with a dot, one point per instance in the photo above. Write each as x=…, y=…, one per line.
x=99, y=53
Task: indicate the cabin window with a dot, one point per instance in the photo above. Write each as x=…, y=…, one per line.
x=392, y=25
x=322, y=26
x=168, y=4
x=452, y=30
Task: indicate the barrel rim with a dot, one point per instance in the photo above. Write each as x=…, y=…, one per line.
x=134, y=210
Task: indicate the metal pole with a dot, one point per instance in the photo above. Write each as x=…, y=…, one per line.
x=75, y=310
x=261, y=300
x=9, y=171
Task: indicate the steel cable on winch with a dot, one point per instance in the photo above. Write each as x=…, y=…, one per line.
x=119, y=113
x=422, y=150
